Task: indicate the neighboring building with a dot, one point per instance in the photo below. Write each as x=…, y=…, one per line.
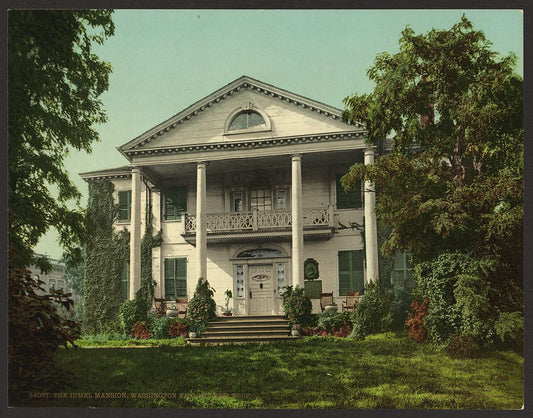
x=54, y=279
x=244, y=185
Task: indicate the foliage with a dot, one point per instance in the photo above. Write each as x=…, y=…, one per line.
x=202, y=307
x=415, y=322
x=372, y=313
x=75, y=275
x=36, y=330
x=159, y=327
x=149, y=241
x=331, y=321
x=178, y=327
x=55, y=81
x=140, y=330
x=400, y=303
x=383, y=371
x=297, y=306
x=130, y=312
x=107, y=255
x=454, y=179
x=463, y=346
x=509, y=327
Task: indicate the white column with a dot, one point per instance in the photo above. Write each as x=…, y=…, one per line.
x=201, y=222
x=156, y=251
x=135, y=232
x=297, y=222
x=371, y=230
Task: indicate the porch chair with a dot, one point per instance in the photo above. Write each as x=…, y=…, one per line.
x=352, y=299
x=181, y=306
x=160, y=307
x=325, y=299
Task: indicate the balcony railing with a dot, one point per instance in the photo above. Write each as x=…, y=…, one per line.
x=260, y=220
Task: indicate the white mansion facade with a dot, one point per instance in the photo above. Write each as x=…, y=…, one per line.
x=244, y=185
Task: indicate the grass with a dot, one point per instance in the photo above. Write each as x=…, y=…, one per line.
x=384, y=371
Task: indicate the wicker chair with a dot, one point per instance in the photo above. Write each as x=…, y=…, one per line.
x=352, y=299
x=160, y=307
x=181, y=306
x=325, y=299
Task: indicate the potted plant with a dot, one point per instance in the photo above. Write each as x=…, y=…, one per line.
x=172, y=312
x=332, y=306
x=229, y=296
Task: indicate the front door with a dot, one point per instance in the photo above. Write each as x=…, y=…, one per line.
x=261, y=289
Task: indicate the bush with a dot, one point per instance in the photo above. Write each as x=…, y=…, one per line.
x=415, y=323
x=130, y=312
x=297, y=306
x=140, y=330
x=400, y=299
x=35, y=332
x=159, y=327
x=178, y=328
x=463, y=346
x=202, y=307
x=330, y=321
x=372, y=315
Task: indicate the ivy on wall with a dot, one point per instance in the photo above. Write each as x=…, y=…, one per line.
x=149, y=241
x=107, y=252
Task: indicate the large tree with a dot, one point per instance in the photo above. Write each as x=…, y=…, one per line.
x=453, y=180
x=55, y=81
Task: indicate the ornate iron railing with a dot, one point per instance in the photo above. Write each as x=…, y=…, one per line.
x=259, y=220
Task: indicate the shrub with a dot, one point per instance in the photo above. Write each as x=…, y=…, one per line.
x=297, y=306
x=130, y=312
x=415, y=323
x=141, y=331
x=334, y=320
x=343, y=331
x=178, y=328
x=202, y=307
x=372, y=314
x=35, y=332
x=510, y=328
x=463, y=346
x=159, y=327
x=400, y=299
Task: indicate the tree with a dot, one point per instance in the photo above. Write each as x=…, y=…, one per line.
x=454, y=179
x=55, y=81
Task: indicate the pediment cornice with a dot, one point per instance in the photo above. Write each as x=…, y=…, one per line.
x=229, y=90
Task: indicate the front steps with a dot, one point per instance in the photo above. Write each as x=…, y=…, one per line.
x=245, y=329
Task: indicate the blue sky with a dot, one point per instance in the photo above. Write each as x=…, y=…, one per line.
x=165, y=60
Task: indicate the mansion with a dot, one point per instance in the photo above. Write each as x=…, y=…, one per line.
x=244, y=186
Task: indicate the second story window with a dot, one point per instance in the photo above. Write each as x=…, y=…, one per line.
x=175, y=203
x=246, y=120
x=350, y=199
x=124, y=205
x=261, y=199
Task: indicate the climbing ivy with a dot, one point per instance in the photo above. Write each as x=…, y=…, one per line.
x=107, y=252
x=149, y=241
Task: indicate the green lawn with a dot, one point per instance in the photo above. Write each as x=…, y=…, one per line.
x=384, y=371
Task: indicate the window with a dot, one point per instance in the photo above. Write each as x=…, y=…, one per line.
x=124, y=205
x=350, y=199
x=351, y=276
x=125, y=281
x=402, y=270
x=237, y=201
x=175, y=278
x=282, y=199
x=60, y=284
x=246, y=120
x=175, y=203
x=52, y=284
x=261, y=199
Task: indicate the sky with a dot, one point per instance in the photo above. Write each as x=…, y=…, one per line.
x=165, y=60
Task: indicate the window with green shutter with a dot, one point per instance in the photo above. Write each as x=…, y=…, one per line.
x=124, y=205
x=175, y=203
x=125, y=281
x=350, y=199
x=175, y=278
x=351, y=275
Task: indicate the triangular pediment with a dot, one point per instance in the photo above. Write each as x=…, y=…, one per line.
x=206, y=121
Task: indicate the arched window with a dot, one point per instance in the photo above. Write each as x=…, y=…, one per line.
x=247, y=119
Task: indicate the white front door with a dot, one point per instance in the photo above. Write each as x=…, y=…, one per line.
x=261, y=291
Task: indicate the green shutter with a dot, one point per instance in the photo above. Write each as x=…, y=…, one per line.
x=175, y=278
x=125, y=281
x=350, y=199
x=175, y=202
x=351, y=275
x=124, y=204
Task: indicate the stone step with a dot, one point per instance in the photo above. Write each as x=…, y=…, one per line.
x=244, y=327
x=246, y=333
x=236, y=340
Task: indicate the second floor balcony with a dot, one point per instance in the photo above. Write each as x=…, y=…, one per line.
x=273, y=225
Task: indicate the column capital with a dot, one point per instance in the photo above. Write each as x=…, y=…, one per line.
x=370, y=149
x=135, y=168
x=201, y=163
x=296, y=157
